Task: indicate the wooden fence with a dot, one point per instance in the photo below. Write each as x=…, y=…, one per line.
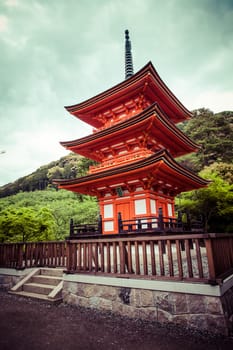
x=206, y=258
x=196, y=257
x=33, y=254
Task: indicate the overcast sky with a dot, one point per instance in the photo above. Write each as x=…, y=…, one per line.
x=55, y=53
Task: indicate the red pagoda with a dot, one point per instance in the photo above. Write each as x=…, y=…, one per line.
x=135, y=140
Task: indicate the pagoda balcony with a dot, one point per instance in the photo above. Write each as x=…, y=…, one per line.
x=119, y=160
x=139, y=225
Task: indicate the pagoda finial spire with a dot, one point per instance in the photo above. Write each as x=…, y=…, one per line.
x=128, y=56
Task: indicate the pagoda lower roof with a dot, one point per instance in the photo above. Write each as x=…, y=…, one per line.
x=146, y=81
x=160, y=170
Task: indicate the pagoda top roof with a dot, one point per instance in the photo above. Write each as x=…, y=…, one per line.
x=151, y=119
x=146, y=81
x=160, y=166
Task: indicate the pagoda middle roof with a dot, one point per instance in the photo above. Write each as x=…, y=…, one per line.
x=146, y=81
x=152, y=120
x=160, y=167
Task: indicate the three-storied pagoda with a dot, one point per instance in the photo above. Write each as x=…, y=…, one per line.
x=134, y=141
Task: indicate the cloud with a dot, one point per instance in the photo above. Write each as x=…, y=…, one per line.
x=12, y=3
x=218, y=101
x=3, y=23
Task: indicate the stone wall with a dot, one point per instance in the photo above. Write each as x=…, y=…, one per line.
x=9, y=277
x=202, y=312
x=227, y=303
x=194, y=305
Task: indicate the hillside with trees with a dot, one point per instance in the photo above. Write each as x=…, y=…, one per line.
x=43, y=215
x=214, y=133
x=68, y=167
x=32, y=209
x=214, y=161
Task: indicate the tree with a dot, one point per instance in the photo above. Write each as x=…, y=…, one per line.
x=26, y=225
x=214, y=133
x=83, y=165
x=213, y=203
x=51, y=210
x=46, y=225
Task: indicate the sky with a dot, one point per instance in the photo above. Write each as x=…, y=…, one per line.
x=56, y=53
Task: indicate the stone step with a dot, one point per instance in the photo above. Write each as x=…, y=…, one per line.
x=42, y=283
x=37, y=296
x=51, y=272
x=45, y=279
x=38, y=288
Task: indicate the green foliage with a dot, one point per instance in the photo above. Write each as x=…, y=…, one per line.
x=43, y=215
x=214, y=133
x=223, y=170
x=26, y=224
x=213, y=203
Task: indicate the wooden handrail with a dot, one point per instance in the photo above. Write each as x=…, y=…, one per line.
x=85, y=229
x=33, y=254
x=199, y=257
x=156, y=223
x=138, y=225
x=181, y=257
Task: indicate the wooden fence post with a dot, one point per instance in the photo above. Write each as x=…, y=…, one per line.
x=68, y=257
x=122, y=257
x=160, y=219
x=210, y=259
x=119, y=219
x=161, y=227
x=71, y=227
x=100, y=225
x=20, y=256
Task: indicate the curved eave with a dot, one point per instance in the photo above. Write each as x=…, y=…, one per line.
x=159, y=165
x=130, y=86
x=152, y=119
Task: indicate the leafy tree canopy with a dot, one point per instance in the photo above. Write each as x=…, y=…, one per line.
x=43, y=215
x=214, y=204
x=214, y=133
x=26, y=224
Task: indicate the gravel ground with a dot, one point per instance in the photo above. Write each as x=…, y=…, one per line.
x=35, y=325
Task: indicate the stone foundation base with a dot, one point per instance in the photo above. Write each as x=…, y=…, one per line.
x=10, y=277
x=193, y=305
x=210, y=312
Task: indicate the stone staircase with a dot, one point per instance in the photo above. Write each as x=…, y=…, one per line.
x=41, y=283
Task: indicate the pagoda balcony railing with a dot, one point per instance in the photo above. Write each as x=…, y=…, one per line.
x=154, y=224
x=147, y=223
x=159, y=224
x=119, y=160
x=85, y=229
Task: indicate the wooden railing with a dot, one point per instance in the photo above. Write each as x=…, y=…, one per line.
x=33, y=254
x=85, y=229
x=220, y=252
x=196, y=257
x=158, y=223
x=139, y=225
x=206, y=258
x=149, y=224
